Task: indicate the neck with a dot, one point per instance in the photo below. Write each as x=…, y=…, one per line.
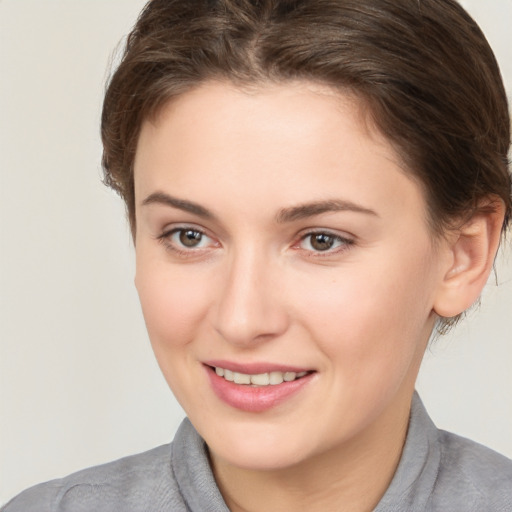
x=352, y=477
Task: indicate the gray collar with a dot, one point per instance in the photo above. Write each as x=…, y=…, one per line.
x=417, y=471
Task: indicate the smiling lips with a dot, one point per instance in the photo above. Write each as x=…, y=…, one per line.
x=254, y=390
x=259, y=379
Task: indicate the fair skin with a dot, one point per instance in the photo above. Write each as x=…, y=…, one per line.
x=276, y=230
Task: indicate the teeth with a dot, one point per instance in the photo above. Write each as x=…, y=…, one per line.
x=242, y=378
x=276, y=378
x=261, y=379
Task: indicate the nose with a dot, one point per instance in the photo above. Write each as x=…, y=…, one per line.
x=250, y=306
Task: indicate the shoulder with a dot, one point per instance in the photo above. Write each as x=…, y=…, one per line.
x=440, y=472
x=139, y=482
x=482, y=477
x=173, y=477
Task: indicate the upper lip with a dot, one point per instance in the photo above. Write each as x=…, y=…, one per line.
x=254, y=368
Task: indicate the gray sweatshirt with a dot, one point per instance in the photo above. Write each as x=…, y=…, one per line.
x=438, y=472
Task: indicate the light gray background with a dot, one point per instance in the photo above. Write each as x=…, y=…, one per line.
x=78, y=381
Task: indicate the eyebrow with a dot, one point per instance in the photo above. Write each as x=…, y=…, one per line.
x=180, y=204
x=317, y=208
x=285, y=215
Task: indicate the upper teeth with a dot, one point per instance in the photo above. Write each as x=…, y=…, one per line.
x=261, y=379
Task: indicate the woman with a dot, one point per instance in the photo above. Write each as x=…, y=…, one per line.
x=313, y=187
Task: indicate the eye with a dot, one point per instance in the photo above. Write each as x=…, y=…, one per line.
x=324, y=242
x=189, y=237
x=185, y=239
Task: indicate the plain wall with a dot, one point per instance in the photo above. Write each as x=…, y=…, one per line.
x=78, y=381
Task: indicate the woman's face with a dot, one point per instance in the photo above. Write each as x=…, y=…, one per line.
x=280, y=244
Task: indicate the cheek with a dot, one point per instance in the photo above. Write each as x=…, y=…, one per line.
x=173, y=302
x=371, y=317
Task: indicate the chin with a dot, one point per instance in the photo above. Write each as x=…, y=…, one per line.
x=258, y=458
x=259, y=447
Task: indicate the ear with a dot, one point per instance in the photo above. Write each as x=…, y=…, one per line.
x=471, y=251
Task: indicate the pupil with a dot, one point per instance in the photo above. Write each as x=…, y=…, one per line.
x=190, y=238
x=322, y=242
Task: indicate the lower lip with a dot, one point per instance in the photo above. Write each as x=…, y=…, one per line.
x=254, y=398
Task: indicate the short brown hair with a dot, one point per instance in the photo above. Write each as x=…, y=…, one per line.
x=423, y=69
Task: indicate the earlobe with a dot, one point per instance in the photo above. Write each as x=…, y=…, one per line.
x=471, y=256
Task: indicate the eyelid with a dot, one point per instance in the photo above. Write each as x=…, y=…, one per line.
x=346, y=242
x=167, y=232
x=168, y=229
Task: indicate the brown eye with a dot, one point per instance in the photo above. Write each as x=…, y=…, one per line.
x=190, y=237
x=187, y=241
x=322, y=241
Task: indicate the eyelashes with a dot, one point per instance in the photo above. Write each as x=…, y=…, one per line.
x=186, y=241
x=324, y=242
x=188, y=238
x=190, y=241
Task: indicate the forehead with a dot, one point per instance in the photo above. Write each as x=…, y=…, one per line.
x=289, y=143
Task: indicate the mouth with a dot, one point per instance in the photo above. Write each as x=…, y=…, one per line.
x=256, y=388
x=273, y=378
